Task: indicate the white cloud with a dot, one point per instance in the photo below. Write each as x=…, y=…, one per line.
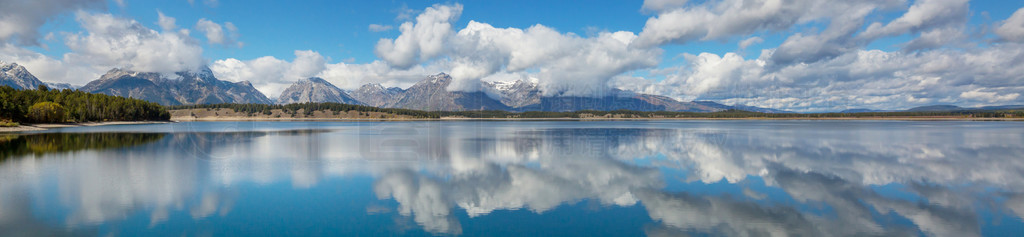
x=717, y=20
x=750, y=41
x=271, y=75
x=117, y=42
x=858, y=79
x=988, y=96
x=352, y=76
x=108, y=42
x=662, y=5
x=720, y=19
x=20, y=20
x=216, y=34
x=166, y=23
x=923, y=14
x=421, y=40
x=48, y=69
x=567, y=64
x=1011, y=29
x=379, y=27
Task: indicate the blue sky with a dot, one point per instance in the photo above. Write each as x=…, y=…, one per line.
x=802, y=55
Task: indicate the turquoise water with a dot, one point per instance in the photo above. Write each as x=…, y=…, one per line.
x=517, y=178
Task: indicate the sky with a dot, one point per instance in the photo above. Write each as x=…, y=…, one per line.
x=798, y=55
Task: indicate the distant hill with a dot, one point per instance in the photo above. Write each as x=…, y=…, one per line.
x=935, y=108
x=739, y=107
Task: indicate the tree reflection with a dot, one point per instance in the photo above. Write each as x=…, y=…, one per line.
x=44, y=143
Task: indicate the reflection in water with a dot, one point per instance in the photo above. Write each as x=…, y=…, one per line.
x=751, y=178
x=12, y=145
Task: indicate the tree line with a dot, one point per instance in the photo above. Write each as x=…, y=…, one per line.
x=59, y=106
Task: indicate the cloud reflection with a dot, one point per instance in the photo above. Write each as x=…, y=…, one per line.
x=831, y=172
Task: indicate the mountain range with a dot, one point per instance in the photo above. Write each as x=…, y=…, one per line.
x=432, y=94
x=181, y=88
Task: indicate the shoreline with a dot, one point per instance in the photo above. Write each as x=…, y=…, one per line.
x=47, y=126
x=42, y=127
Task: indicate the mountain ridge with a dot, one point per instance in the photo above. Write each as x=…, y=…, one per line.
x=315, y=89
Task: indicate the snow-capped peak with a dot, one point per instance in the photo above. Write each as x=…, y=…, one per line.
x=440, y=78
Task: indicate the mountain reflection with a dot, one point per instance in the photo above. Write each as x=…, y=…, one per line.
x=791, y=178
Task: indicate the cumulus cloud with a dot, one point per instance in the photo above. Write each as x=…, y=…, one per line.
x=49, y=69
x=111, y=41
x=108, y=42
x=20, y=19
x=567, y=64
x=379, y=27
x=860, y=78
x=421, y=40
x=216, y=34
x=1011, y=29
x=268, y=74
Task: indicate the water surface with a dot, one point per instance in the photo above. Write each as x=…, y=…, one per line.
x=606, y=178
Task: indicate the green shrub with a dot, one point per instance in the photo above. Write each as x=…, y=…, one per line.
x=8, y=123
x=46, y=112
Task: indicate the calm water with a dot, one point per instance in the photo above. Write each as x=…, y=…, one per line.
x=698, y=178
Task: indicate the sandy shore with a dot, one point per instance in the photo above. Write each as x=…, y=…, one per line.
x=233, y=118
x=38, y=127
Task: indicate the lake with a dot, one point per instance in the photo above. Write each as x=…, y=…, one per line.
x=517, y=178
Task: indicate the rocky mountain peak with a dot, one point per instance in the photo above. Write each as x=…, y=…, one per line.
x=375, y=94
x=202, y=73
x=371, y=87
x=439, y=79
x=120, y=72
x=16, y=76
x=315, y=89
